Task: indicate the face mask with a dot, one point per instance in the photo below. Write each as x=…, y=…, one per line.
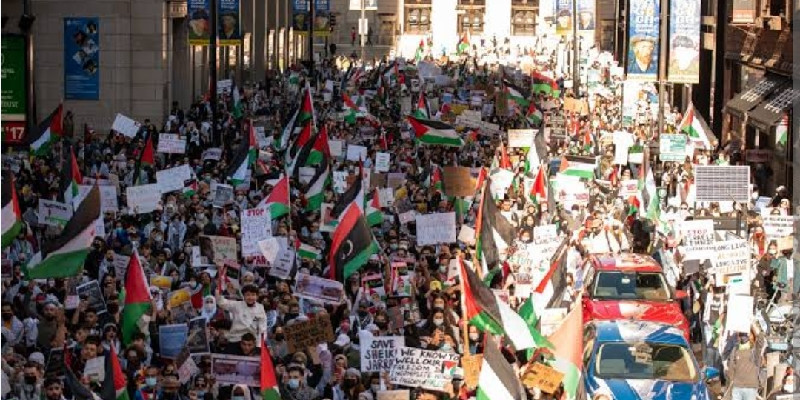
x=7, y=317
x=788, y=388
x=237, y=398
x=151, y=382
x=30, y=380
x=294, y=383
x=443, y=268
x=208, y=307
x=375, y=388
x=773, y=252
x=446, y=347
x=474, y=337
x=438, y=321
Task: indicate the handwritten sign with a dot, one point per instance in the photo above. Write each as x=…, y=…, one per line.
x=172, y=179
x=731, y=257
x=143, y=199
x=301, y=335
x=472, y=369
x=436, y=228
x=336, y=147
x=256, y=226
x=356, y=153
x=423, y=368
x=458, y=181
x=171, y=143
x=518, y=138
x=125, y=126
x=218, y=248
x=393, y=395
x=541, y=376
x=778, y=225
x=212, y=154
x=54, y=213
x=382, y=162
x=698, y=238
x=378, y=353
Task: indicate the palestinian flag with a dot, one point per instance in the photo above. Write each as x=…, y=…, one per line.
x=491, y=314
x=353, y=195
x=534, y=115
x=189, y=188
x=308, y=252
x=320, y=148
x=435, y=132
x=539, y=189
x=436, y=182
x=696, y=128
x=316, y=187
x=49, y=131
x=281, y=143
x=495, y=232
x=374, y=213
x=269, y=385
x=422, y=111
x=497, y=379
x=577, y=168
x=299, y=143
x=351, y=245
x=516, y=95
x=137, y=299
x=71, y=177
x=528, y=313
x=237, y=109
x=146, y=157
x=278, y=202
x=351, y=109
x=307, y=108
x=782, y=131
x=115, y=385
x=505, y=161
x=239, y=169
x=420, y=53
x=463, y=44
x=12, y=213
x=567, y=342
x=545, y=84
x=64, y=256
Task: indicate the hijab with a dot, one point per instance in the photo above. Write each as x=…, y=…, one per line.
x=209, y=310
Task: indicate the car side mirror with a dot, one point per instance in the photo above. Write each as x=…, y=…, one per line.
x=710, y=373
x=681, y=294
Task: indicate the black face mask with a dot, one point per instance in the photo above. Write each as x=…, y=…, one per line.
x=382, y=324
x=279, y=336
x=7, y=316
x=290, y=316
x=349, y=383
x=30, y=380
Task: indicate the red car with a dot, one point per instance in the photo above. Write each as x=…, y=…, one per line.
x=630, y=286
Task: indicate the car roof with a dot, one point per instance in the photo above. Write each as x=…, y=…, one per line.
x=625, y=262
x=638, y=331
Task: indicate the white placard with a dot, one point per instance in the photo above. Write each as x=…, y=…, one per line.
x=306, y=174
x=54, y=213
x=125, y=126
x=731, y=257
x=108, y=197
x=386, y=197
x=744, y=314
x=172, y=179
x=336, y=147
x=171, y=143
x=378, y=353
x=407, y=217
x=436, y=228
x=356, y=152
x=518, y=138
x=422, y=368
x=340, y=181
x=778, y=225
x=256, y=226
x=698, y=238
x=143, y=199
x=224, y=86
x=213, y=154
x=284, y=263
x=628, y=187
x=382, y=162
x=467, y=235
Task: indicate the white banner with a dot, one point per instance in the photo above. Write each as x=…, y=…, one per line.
x=337, y=147
x=172, y=179
x=436, y=228
x=423, y=368
x=256, y=226
x=143, y=199
x=778, y=225
x=108, y=197
x=731, y=257
x=171, y=143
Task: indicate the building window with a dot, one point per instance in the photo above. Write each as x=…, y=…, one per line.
x=523, y=22
x=471, y=22
x=418, y=20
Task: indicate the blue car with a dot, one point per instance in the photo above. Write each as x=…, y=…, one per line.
x=631, y=360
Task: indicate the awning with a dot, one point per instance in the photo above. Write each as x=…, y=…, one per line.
x=746, y=101
x=769, y=112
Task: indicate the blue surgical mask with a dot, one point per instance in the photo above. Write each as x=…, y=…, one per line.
x=200, y=394
x=237, y=397
x=294, y=383
x=151, y=382
x=446, y=347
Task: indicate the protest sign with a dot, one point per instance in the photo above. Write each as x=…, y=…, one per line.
x=379, y=352
x=318, y=289
x=301, y=335
x=744, y=313
x=436, y=228
x=386, y=197
x=95, y=369
x=223, y=194
x=472, y=369
x=171, y=339
x=672, y=147
x=722, y=183
x=541, y=376
x=161, y=281
x=521, y=138
x=178, y=297
x=336, y=147
x=236, y=370
x=284, y=262
x=628, y=188
x=382, y=162
x=187, y=368
x=172, y=179
x=306, y=174
x=407, y=217
x=393, y=395
x=55, y=362
x=218, y=248
x=171, y=143
x=125, y=126
x=698, y=238
x=467, y=235
x=108, y=196
x=271, y=247
x=212, y=154
x=778, y=225
x=423, y=368
x=340, y=181
x=90, y=291
x=256, y=226
x=395, y=179
x=197, y=339
x=356, y=152
x=143, y=199
x=54, y=213
x=731, y=257
x=458, y=181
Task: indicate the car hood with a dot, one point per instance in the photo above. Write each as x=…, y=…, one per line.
x=651, y=389
x=658, y=311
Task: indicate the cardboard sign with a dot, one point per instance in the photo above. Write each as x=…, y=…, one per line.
x=172, y=179
x=423, y=368
x=382, y=162
x=393, y=395
x=125, y=126
x=458, y=181
x=521, y=138
x=436, y=228
x=301, y=335
x=54, y=213
x=378, y=353
x=218, y=249
x=472, y=369
x=256, y=226
x=319, y=289
x=143, y=199
x=356, y=153
x=377, y=180
x=541, y=376
x=171, y=143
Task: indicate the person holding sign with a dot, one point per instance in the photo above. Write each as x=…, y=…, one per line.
x=248, y=316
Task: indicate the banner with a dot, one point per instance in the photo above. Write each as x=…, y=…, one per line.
x=301, y=17
x=423, y=368
x=81, y=58
x=643, y=34
x=775, y=225
x=172, y=179
x=236, y=370
x=378, y=353
x=731, y=257
x=199, y=22
x=586, y=16
x=54, y=213
x=563, y=15
x=12, y=82
x=698, y=238
x=230, y=30
x=171, y=143
x=143, y=199
x=218, y=248
x=684, y=42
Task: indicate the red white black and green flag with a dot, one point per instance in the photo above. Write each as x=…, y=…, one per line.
x=137, y=299
x=435, y=132
x=49, y=131
x=12, y=214
x=351, y=245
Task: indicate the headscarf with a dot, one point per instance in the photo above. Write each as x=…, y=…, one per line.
x=209, y=310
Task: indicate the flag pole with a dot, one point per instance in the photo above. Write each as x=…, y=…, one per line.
x=464, y=322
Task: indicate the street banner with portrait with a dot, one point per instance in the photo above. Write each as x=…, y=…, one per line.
x=643, y=34
x=684, y=42
x=230, y=30
x=563, y=15
x=199, y=22
x=81, y=58
x=301, y=17
x=586, y=16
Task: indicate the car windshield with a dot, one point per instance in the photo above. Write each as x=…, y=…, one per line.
x=645, y=361
x=619, y=285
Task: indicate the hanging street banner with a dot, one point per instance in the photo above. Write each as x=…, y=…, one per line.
x=563, y=15
x=199, y=22
x=586, y=16
x=81, y=58
x=12, y=81
x=684, y=42
x=301, y=17
x=230, y=30
x=643, y=34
